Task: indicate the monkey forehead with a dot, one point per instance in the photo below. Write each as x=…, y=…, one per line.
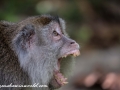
x=46, y=19
x=43, y=20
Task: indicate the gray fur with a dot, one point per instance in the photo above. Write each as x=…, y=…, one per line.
x=29, y=53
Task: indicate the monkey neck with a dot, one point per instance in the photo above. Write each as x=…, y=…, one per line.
x=39, y=67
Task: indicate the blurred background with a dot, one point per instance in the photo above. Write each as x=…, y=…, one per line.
x=94, y=24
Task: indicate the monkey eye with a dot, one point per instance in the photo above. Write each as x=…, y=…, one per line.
x=55, y=33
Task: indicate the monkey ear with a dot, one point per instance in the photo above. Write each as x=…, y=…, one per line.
x=25, y=38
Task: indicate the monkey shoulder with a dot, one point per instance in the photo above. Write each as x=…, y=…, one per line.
x=5, y=23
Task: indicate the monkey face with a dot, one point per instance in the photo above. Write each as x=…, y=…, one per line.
x=63, y=46
x=55, y=40
x=41, y=44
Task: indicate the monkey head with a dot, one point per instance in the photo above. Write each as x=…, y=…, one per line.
x=41, y=43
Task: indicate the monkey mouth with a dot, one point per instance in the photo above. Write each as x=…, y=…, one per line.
x=59, y=79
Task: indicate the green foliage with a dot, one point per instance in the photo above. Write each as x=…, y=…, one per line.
x=13, y=10
x=84, y=33
x=71, y=10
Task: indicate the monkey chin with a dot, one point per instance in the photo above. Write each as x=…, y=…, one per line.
x=58, y=79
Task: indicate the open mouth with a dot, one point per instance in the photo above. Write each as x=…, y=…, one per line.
x=59, y=78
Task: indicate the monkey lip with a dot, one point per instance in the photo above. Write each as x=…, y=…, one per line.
x=58, y=76
x=60, y=79
x=73, y=52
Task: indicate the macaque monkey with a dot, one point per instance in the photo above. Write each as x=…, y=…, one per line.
x=31, y=51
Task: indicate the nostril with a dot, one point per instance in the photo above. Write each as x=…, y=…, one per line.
x=72, y=43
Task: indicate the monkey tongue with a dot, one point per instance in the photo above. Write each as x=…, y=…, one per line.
x=60, y=78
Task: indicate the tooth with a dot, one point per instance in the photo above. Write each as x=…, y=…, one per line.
x=74, y=54
x=78, y=53
x=65, y=82
x=65, y=56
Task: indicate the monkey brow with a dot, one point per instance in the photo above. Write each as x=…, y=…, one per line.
x=56, y=18
x=47, y=19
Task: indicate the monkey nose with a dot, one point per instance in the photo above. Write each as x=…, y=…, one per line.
x=73, y=43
